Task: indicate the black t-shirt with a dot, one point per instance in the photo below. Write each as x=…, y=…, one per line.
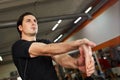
x=38, y=68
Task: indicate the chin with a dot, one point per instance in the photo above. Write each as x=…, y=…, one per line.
x=33, y=34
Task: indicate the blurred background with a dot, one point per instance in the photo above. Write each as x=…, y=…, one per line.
x=66, y=20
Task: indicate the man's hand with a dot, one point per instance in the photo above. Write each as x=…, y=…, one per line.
x=86, y=61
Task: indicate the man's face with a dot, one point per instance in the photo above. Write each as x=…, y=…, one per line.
x=29, y=26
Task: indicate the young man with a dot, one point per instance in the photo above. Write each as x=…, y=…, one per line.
x=33, y=58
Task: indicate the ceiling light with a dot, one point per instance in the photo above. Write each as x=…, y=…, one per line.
x=59, y=21
x=58, y=38
x=1, y=59
x=78, y=19
x=56, y=25
x=88, y=9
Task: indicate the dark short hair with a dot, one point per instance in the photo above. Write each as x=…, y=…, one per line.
x=20, y=20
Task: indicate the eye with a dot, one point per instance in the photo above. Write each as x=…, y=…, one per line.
x=28, y=20
x=35, y=20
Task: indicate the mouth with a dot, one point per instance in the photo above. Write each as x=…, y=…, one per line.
x=33, y=28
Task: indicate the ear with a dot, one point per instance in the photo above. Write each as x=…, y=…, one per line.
x=20, y=27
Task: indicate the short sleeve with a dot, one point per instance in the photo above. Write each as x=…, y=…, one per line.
x=21, y=49
x=46, y=41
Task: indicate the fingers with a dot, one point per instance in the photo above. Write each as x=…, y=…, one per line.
x=82, y=69
x=88, y=42
x=86, y=58
x=89, y=61
x=90, y=68
x=81, y=59
x=80, y=42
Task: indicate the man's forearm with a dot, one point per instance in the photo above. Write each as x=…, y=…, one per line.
x=37, y=49
x=66, y=61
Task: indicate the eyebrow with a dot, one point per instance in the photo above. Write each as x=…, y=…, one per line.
x=30, y=19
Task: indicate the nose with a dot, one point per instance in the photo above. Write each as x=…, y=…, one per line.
x=33, y=22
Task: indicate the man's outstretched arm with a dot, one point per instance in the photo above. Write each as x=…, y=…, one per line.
x=38, y=49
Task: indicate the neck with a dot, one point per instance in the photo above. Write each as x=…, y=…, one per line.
x=28, y=38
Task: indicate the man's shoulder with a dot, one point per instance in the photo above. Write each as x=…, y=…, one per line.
x=18, y=41
x=44, y=41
